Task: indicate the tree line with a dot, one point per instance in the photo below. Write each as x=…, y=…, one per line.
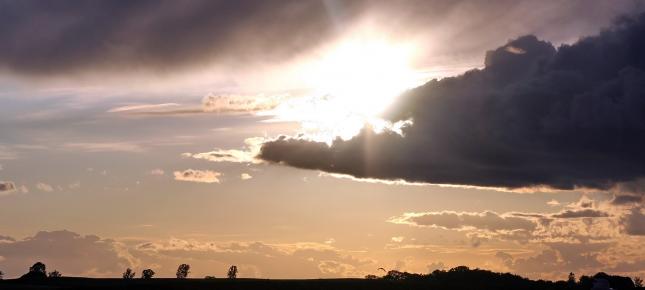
x=460, y=277
x=39, y=271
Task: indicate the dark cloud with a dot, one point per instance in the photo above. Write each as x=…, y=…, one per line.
x=634, y=222
x=626, y=199
x=629, y=193
x=584, y=213
x=534, y=116
x=256, y=259
x=578, y=257
x=6, y=238
x=89, y=255
x=548, y=259
x=66, y=36
x=576, y=224
x=7, y=187
x=68, y=252
x=41, y=38
x=488, y=220
x=634, y=266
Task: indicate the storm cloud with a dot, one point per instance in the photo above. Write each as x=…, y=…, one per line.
x=41, y=38
x=63, y=37
x=536, y=115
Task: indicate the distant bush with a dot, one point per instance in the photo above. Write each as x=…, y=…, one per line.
x=209, y=277
x=54, y=274
x=128, y=274
x=147, y=274
x=182, y=271
x=232, y=272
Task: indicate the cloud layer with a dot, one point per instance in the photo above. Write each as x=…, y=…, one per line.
x=528, y=227
x=161, y=35
x=65, y=251
x=77, y=255
x=165, y=36
x=585, y=237
x=534, y=116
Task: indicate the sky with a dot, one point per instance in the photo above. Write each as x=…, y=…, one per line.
x=317, y=139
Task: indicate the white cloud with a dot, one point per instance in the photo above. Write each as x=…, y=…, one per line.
x=44, y=187
x=104, y=147
x=245, y=176
x=7, y=154
x=241, y=104
x=75, y=185
x=157, y=172
x=397, y=239
x=553, y=202
x=204, y=176
x=141, y=107
x=246, y=155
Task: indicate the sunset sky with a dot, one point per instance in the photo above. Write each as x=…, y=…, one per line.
x=306, y=139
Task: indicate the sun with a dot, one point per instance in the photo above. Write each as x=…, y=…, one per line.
x=363, y=75
x=352, y=83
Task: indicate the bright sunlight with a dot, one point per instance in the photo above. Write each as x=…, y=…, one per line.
x=352, y=83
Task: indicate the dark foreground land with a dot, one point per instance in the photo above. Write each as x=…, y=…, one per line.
x=199, y=284
x=454, y=279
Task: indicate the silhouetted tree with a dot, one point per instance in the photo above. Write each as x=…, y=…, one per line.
x=638, y=282
x=394, y=275
x=147, y=274
x=1, y=275
x=36, y=272
x=398, y=275
x=585, y=282
x=232, y=272
x=182, y=271
x=371, y=277
x=128, y=274
x=38, y=268
x=460, y=269
x=571, y=280
x=54, y=274
x=616, y=282
x=209, y=277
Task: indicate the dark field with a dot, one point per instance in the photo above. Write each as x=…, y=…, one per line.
x=223, y=283
x=462, y=278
